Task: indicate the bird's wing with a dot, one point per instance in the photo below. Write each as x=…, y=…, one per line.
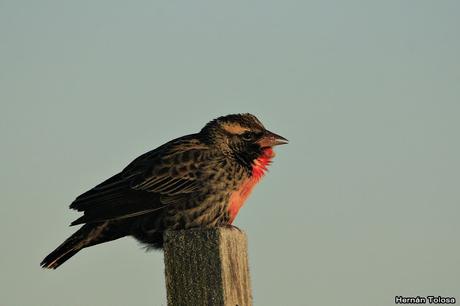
x=148, y=184
x=170, y=177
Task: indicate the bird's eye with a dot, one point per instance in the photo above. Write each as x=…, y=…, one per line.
x=248, y=136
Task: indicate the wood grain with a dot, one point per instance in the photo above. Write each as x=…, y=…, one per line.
x=207, y=267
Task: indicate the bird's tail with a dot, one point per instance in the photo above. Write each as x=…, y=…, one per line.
x=67, y=249
x=87, y=235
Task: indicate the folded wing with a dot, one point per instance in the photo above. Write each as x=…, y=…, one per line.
x=150, y=183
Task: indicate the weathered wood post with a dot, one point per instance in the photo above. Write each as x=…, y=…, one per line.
x=207, y=267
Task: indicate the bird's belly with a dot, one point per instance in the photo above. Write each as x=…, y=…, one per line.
x=238, y=197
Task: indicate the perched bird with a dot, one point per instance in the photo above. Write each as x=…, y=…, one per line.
x=198, y=180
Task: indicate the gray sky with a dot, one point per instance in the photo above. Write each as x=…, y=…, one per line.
x=362, y=205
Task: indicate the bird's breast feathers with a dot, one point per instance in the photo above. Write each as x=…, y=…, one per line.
x=239, y=196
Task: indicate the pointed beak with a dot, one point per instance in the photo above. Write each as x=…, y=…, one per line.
x=270, y=139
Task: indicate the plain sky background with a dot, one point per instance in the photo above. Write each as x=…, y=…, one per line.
x=362, y=205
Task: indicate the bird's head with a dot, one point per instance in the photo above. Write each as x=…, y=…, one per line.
x=242, y=136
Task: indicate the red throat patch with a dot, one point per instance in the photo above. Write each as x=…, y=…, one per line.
x=259, y=167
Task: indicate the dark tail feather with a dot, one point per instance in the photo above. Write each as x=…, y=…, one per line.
x=57, y=258
x=66, y=250
x=87, y=235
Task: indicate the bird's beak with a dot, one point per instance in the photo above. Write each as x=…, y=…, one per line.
x=270, y=139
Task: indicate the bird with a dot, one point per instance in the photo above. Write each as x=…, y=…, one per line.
x=199, y=180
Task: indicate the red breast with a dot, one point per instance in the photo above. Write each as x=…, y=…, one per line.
x=259, y=167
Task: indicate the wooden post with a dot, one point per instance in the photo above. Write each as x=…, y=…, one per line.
x=207, y=267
